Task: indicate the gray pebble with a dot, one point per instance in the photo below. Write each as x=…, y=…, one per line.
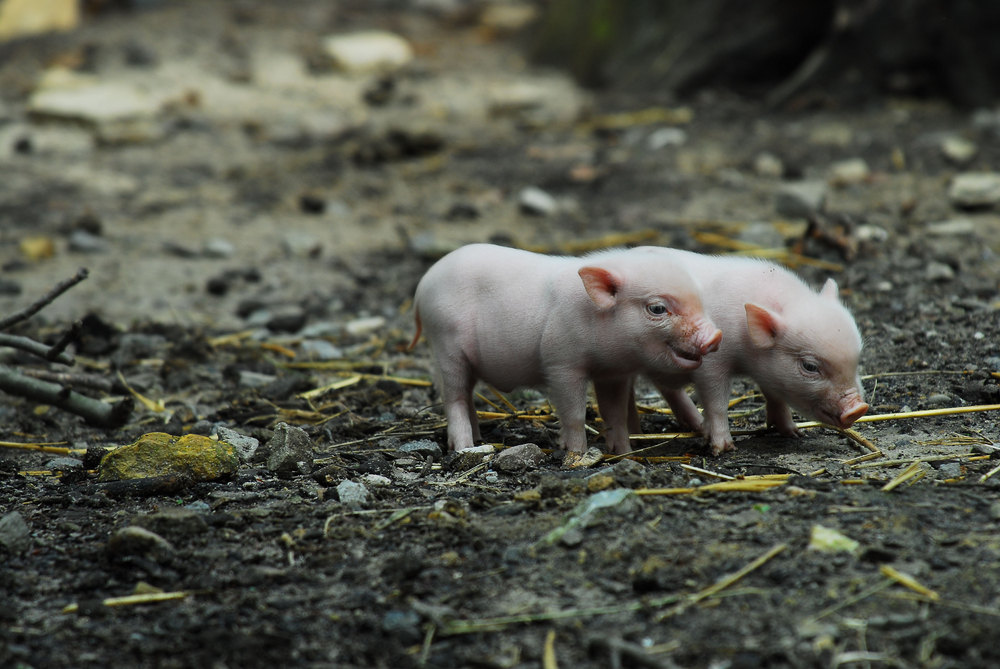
x=939, y=401
x=950, y=470
x=63, y=464
x=320, y=349
x=218, y=248
x=15, y=537
x=246, y=447
x=290, y=451
x=800, y=199
x=352, y=495
x=518, y=458
x=249, y=379
x=134, y=540
x=995, y=510
x=81, y=241
x=470, y=457
x=422, y=448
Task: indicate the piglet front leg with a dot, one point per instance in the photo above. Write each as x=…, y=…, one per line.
x=715, y=424
x=779, y=417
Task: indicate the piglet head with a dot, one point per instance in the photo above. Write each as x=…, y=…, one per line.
x=657, y=314
x=810, y=360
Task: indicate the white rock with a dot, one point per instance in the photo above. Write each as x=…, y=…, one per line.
x=664, y=137
x=353, y=495
x=958, y=149
x=364, y=326
x=871, y=233
x=117, y=111
x=975, y=189
x=952, y=227
x=800, y=199
x=30, y=17
x=536, y=201
x=851, y=171
x=768, y=165
x=939, y=271
x=368, y=51
x=376, y=480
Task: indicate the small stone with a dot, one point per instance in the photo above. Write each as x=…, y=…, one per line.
x=63, y=464
x=320, y=349
x=246, y=447
x=251, y=379
x=218, y=248
x=536, y=202
x=518, y=458
x=361, y=327
x=81, y=241
x=939, y=271
x=133, y=540
x=403, y=627
x=950, y=470
x=768, y=165
x=422, y=448
x=975, y=190
x=508, y=17
x=832, y=134
x=15, y=537
x=590, y=457
x=869, y=232
x=368, y=51
x=829, y=540
x=939, y=401
x=470, y=457
x=800, y=199
x=290, y=319
x=352, y=495
x=958, y=150
x=661, y=138
x=995, y=510
x=302, y=245
x=376, y=480
x=952, y=227
x=173, y=522
x=848, y=172
x=290, y=451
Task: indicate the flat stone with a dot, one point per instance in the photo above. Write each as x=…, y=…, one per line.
x=664, y=137
x=422, y=448
x=974, y=190
x=470, y=457
x=368, y=51
x=518, y=458
x=158, y=454
x=951, y=228
x=800, y=199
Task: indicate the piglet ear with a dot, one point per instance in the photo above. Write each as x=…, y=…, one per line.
x=764, y=325
x=830, y=290
x=602, y=286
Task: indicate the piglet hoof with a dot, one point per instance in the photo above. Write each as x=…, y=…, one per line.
x=718, y=446
x=575, y=460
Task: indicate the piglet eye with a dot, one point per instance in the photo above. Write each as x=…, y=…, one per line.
x=657, y=309
x=810, y=366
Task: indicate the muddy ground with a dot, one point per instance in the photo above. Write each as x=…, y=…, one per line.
x=270, y=213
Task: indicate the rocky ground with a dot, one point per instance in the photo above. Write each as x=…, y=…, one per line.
x=255, y=220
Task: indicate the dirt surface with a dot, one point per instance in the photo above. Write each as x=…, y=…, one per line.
x=260, y=233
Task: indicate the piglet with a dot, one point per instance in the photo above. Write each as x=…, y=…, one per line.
x=513, y=318
x=799, y=346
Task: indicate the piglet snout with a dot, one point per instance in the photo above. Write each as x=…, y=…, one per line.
x=711, y=341
x=853, y=413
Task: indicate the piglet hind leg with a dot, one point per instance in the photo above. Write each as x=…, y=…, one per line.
x=616, y=402
x=456, y=383
x=568, y=393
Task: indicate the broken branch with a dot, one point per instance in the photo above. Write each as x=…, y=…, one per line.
x=45, y=300
x=95, y=412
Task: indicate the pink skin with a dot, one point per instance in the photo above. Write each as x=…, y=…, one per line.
x=799, y=346
x=513, y=318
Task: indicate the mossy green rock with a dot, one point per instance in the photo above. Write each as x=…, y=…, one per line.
x=160, y=454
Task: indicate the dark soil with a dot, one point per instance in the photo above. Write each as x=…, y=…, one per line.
x=448, y=564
